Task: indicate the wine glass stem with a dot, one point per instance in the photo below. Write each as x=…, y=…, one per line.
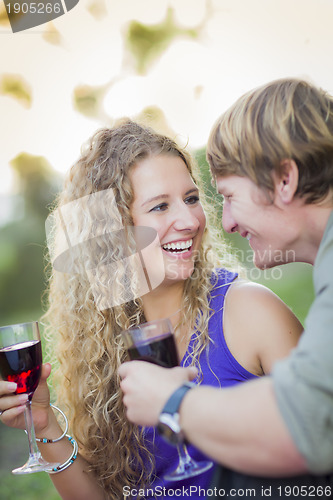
x=183, y=454
x=29, y=424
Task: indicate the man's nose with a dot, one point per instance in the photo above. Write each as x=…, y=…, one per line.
x=228, y=222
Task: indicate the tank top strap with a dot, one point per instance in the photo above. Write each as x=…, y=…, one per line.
x=221, y=280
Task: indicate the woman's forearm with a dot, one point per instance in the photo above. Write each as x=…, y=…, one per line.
x=75, y=482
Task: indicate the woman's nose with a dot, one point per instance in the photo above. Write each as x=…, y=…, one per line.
x=186, y=219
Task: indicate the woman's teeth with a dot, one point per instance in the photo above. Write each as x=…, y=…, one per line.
x=179, y=247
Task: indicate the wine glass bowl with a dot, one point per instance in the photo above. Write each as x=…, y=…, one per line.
x=154, y=342
x=21, y=362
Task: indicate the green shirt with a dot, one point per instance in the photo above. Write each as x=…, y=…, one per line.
x=303, y=382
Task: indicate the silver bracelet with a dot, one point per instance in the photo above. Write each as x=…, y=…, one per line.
x=45, y=440
x=69, y=461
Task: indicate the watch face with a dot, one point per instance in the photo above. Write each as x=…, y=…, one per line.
x=169, y=428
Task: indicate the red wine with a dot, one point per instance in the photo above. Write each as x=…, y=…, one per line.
x=22, y=364
x=162, y=351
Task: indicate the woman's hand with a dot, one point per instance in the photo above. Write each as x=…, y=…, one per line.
x=12, y=406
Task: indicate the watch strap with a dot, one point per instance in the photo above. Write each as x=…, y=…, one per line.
x=174, y=402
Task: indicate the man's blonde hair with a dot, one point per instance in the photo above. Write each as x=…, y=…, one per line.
x=284, y=119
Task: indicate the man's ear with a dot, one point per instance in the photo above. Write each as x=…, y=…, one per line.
x=286, y=182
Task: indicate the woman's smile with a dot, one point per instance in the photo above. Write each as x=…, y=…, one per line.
x=179, y=248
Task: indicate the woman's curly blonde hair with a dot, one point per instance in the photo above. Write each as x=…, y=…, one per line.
x=87, y=341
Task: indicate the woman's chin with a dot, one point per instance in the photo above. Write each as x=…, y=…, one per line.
x=178, y=271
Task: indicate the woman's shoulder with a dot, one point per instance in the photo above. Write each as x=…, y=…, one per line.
x=257, y=318
x=247, y=289
x=250, y=296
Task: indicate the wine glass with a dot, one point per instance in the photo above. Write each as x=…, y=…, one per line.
x=154, y=342
x=21, y=362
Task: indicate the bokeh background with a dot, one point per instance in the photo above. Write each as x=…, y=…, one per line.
x=176, y=64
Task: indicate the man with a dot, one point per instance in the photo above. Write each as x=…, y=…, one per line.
x=271, y=155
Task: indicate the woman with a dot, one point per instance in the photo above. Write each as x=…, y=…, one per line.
x=151, y=183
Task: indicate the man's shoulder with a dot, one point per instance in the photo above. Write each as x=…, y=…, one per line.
x=323, y=267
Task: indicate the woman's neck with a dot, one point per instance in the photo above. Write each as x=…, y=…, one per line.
x=164, y=302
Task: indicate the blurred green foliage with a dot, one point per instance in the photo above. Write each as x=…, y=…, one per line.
x=4, y=21
x=14, y=453
x=86, y=100
x=22, y=251
x=147, y=43
x=22, y=241
x=16, y=87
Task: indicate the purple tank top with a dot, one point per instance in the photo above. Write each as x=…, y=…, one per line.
x=219, y=369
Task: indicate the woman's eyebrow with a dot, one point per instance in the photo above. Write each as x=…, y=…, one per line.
x=154, y=198
x=164, y=196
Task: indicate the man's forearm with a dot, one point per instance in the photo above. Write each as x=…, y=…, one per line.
x=242, y=428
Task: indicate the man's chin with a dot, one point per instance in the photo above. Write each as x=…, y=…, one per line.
x=262, y=265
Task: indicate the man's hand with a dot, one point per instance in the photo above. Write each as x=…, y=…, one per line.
x=147, y=388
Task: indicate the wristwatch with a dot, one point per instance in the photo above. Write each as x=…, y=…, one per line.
x=168, y=423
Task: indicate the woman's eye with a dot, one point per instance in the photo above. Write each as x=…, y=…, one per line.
x=191, y=200
x=159, y=208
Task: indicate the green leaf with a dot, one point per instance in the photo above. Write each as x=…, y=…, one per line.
x=15, y=86
x=148, y=42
